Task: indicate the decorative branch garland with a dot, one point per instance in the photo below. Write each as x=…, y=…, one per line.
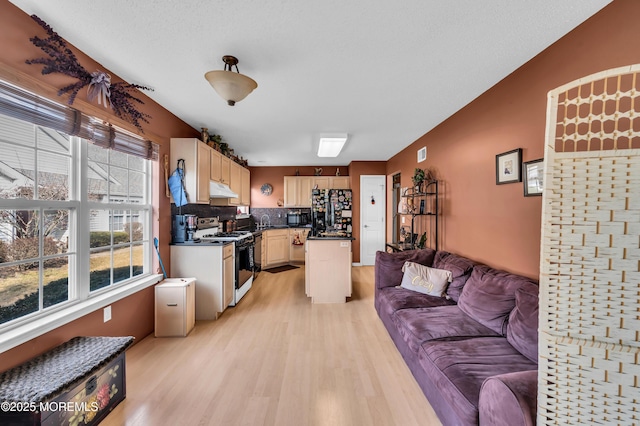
x=62, y=60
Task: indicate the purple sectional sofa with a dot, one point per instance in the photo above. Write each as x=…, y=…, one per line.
x=473, y=353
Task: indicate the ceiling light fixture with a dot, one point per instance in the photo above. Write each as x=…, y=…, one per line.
x=331, y=145
x=231, y=86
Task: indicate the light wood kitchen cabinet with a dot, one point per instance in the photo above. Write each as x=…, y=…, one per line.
x=321, y=181
x=235, y=182
x=297, y=191
x=216, y=166
x=228, y=274
x=197, y=161
x=245, y=191
x=207, y=264
x=297, y=238
x=225, y=169
x=240, y=182
x=175, y=307
x=331, y=182
x=328, y=270
x=276, y=247
x=340, y=182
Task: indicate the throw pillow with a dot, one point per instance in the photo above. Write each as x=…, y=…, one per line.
x=424, y=279
x=388, y=267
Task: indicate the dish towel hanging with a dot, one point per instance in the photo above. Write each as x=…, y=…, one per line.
x=176, y=185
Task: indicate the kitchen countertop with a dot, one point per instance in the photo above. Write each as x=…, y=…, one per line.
x=337, y=237
x=266, y=228
x=202, y=243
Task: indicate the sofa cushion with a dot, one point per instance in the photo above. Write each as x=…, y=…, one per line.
x=388, y=266
x=460, y=268
x=489, y=296
x=419, y=325
x=424, y=279
x=395, y=298
x=522, y=329
x=509, y=399
x=459, y=367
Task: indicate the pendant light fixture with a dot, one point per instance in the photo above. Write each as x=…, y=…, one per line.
x=231, y=86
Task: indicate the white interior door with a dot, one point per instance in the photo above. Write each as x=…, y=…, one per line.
x=372, y=217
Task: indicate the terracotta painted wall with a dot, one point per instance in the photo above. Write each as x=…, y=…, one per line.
x=133, y=315
x=496, y=224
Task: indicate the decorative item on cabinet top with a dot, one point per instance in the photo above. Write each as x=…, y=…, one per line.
x=215, y=142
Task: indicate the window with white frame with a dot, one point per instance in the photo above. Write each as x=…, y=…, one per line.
x=74, y=219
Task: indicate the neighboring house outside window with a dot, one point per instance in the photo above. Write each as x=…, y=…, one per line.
x=74, y=219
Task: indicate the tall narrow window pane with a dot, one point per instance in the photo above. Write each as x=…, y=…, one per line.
x=52, y=140
x=55, y=286
x=100, y=269
x=17, y=171
x=137, y=253
x=53, y=176
x=118, y=185
x=19, y=290
x=121, y=263
x=136, y=187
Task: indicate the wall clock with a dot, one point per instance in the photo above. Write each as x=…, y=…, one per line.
x=266, y=189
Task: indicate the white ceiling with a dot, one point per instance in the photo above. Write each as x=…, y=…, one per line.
x=385, y=72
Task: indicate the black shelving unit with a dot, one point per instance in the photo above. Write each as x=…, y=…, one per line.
x=430, y=191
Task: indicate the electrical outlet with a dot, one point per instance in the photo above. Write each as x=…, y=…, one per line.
x=403, y=220
x=107, y=313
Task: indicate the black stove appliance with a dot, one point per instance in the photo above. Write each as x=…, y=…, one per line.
x=244, y=247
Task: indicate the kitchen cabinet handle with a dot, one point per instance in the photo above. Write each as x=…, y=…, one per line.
x=172, y=304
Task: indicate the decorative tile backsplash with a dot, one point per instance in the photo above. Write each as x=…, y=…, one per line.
x=204, y=210
x=277, y=215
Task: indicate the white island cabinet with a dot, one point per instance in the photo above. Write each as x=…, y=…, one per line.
x=328, y=269
x=213, y=267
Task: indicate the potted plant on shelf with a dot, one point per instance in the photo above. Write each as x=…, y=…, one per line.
x=418, y=179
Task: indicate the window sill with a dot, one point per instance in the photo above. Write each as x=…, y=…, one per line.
x=23, y=333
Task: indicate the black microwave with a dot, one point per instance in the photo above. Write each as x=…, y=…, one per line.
x=297, y=218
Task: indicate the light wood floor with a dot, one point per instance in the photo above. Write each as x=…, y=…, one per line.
x=276, y=359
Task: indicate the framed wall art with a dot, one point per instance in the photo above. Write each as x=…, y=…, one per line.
x=508, y=167
x=533, y=172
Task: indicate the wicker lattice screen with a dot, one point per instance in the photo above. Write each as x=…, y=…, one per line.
x=589, y=366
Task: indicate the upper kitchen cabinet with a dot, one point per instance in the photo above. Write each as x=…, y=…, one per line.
x=339, y=182
x=220, y=168
x=331, y=182
x=197, y=162
x=239, y=181
x=245, y=193
x=216, y=166
x=297, y=191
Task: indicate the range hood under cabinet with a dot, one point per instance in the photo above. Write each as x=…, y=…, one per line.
x=220, y=190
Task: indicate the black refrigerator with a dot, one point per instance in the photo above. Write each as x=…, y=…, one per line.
x=331, y=211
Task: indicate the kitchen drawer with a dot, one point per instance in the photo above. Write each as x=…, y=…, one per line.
x=277, y=232
x=227, y=250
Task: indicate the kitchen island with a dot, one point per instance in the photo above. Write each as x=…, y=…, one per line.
x=328, y=269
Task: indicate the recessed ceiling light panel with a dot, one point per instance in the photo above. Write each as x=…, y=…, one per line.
x=331, y=145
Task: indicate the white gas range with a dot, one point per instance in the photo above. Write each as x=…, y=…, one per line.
x=207, y=231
